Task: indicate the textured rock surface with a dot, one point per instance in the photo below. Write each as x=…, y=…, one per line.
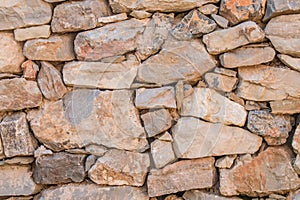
x=296, y=140
x=119, y=167
x=112, y=19
x=208, y=9
x=225, y=161
x=220, y=81
x=23, y=34
x=279, y=7
x=293, y=63
x=162, y=152
x=194, y=138
x=30, y=70
x=182, y=175
x=287, y=106
x=199, y=195
x=221, y=21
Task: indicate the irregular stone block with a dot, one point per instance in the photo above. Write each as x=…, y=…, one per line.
x=296, y=140
x=221, y=21
x=287, y=106
x=220, y=82
x=199, y=195
x=293, y=63
x=209, y=9
x=281, y=7
x=140, y=14
x=162, y=152
x=30, y=70
x=225, y=161
x=35, y=32
x=112, y=19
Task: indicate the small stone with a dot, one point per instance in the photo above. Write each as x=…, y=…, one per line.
x=50, y=82
x=55, y=48
x=286, y=106
x=162, y=153
x=209, y=9
x=173, y=197
x=96, y=150
x=89, y=162
x=165, y=137
x=140, y=14
x=163, y=97
x=220, y=82
x=225, y=162
x=293, y=63
x=76, y=151
x=156, y=122
x=233, y=97
x=181, y=176
x=59, y=168
x=247, y=56
x=42, y=151
x=114, y=59
x=224, y=40
x=253, y=105
x=32, y=33
x=221, y=21
x=119, y=167
x=224, y=71
x=30, y=70
x=296, y=164
x=112, y=18
x=194, y=138
x=19, y=161
x=296, y=140
x=200, y=195
x=281, y=7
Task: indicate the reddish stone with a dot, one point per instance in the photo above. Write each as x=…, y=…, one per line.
x=30, y=70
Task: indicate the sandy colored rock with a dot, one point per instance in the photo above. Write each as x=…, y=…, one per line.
x=93, y=191
x=296, y=140
x=19, y=160
x=254, y=105
x=225, y=161
x=247, y=56
x=59, y=168
x=23, y=13
x=50, y=82
x=96, y=150
x=156, y=122
x=112, y=18
x=110, y=40
x=224, y=40
x=162, y=152
x=85, y=117
x=281, y=7
x=42, y=151
x=224, y=71
x=17, y=94
x=181, y=176
x=140, y=14
x=209, y=105
x=221, y=21
x=284, y=33
x=66, y=17
x=30, y=70
x=296, y=164
x=118, y=167
x=163, y=97
x=55, y=48
x=35, y=32
x=194, y=138
x=11, y=56
x=209, y=9
x=287, y=106
x=199, y=195
x=293, y=63
x=220, y=82
x=270, y=172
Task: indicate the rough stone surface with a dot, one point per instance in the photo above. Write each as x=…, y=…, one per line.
x=86, y=117
x=220, y=81
x=287, y=106
x=280, y=7
x=293, y=195
x=96, y=150
x=22, y=13
x=59, y=168
x=118, y=167
x=140, y=14
x=296, y=140
x=112, y=19
x=194, y=138
x=221, y=21
x=23, y=34
x=209, y=9
x=50, y=82
x=247, y=56
x=225, y=161
x=11, y=56
x=41, y=151
x=17, y=94
x=162, y=152
x=55, y=48
x=296, y=164
x=293, y=63
x=199, y=195
x=30, y=70
x=270, y=172
x=224, y=40
x=181, y=176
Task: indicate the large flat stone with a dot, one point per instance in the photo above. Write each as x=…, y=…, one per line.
x=287, y=106
x=281, y=7
x=194, y=138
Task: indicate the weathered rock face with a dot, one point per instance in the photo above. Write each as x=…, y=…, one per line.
x=22, y=13
x=224, y=40
x=66, y=18
x=220, y=82
x=30, y=70
x=280, y=7
x=296, y=140
x=288, y=106
x=209, y=9
x=270, y=172
x=283, y=31
x=55, y=48
x=293, y=63
x=225, y=161
x=17, y=94
x=23, y=34
x=221, y=21
x=118, y=167
x=181, y=176
x=194, y=138
x=11, y=55
x=86, y=117
x=112, y=19
x=59, y=168
x=199, y=195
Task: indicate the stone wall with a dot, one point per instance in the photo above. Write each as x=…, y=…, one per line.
x=149, y=99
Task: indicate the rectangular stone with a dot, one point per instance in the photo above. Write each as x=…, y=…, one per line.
x=287, y=106
x=32, y=33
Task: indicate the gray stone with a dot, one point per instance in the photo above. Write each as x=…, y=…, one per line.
x=286, y=106
x=162, y=152
x=41, y=151
x=220, y=81
x=89, y=162
x=221, y=21
x=96, y=150
x=293, y=63
x=281, y=7
x=34, y=32
x=140, y=14
x=19, y=160
x=224, y=71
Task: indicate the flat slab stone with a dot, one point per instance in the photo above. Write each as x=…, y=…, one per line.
x=287, y=106
x=220, y=82
x=34, y=32
x=281, y=7
x=291, y=62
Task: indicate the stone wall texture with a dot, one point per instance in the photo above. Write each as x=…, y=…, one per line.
x=149, y=99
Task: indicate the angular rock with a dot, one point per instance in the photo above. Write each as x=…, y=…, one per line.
x=270, y=172
x=181, y=176
x=32, y=33
x=287, y=106
x=220, y=82
x=59, y=168
x=100, y=75
x=178, y=60
x=119, y=6
x=224, y=71
x=209, y=9
x=89, y=162
x=11, y=56
x=293, y=63
x=50, y=82
x=281, y=7
x=266, y=83
x=17, y=94
x=296, y=164
x=221, y=21
x=194, y=138
x=156, y=122
x=209, y=105
x=41, y=151
x=199, y=195
x=193, y=24
x=242, y=10
x=66, y=17
x=85, y=117
x=119, y=167
x=16, y=138
x=110, y=40
x=163, y=97
x=225, y=161
x=17, y=180
x=112, y=19
x=247, y=56
x=162, y=153
x=140, y=14
x=30, y=70
x=55, y=48
x=155, y=34
x=254, y=105
x=93, y=191
x=284, y=33
x=19, y=160
x=23, y=13
x=96, y=150
x=224, y=40
x=296, y=140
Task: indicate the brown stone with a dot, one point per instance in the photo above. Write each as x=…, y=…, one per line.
x=118, y=167
x=294, y=195
x=208, y=9
x=220, y=82
x=59, y=168
x=30, y=70
x=34, y=32
x=287, y=106
x=270, y=172
x=296, y=140
x=112, y=19
x=162, y=152
x=19, y=160
x=293, y=63
x=140, y=14
x=200, y=195
x=55, y=48
x=224, y=71
x=281, y=7
x=225, y=162
x=254, y=105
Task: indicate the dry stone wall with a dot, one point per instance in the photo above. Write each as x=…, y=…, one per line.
x=149, y=99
